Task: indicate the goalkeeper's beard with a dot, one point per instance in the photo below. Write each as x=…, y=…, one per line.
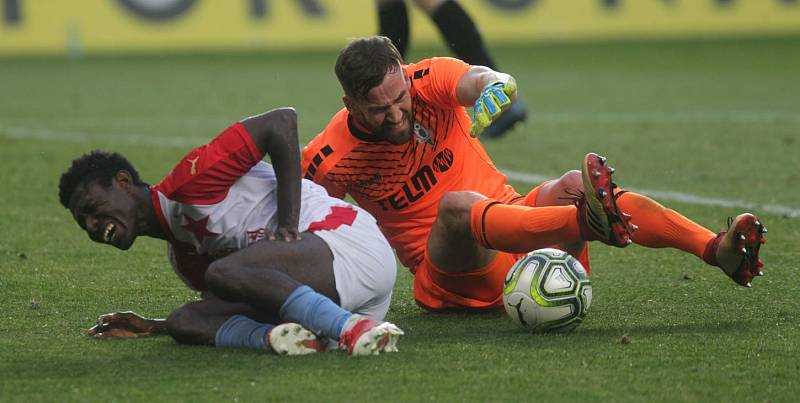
x=398, y=135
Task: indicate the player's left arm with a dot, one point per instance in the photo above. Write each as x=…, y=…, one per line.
x=489, y=92
x=275, y=134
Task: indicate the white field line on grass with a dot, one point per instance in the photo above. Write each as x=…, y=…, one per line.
x=675, y=196
x=665, y=117
x=20, y=133
x=528, y=178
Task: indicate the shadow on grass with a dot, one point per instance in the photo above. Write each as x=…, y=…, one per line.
x=491, y=329
x=467, y=336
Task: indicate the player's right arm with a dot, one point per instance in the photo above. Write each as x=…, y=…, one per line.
x=206, y=173
x=275, y=134
x=275, y=130
x=126, y=324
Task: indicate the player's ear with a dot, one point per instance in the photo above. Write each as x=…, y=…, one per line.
x=348, y=103
x=124, y=179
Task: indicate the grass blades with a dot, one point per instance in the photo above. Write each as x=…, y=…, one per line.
x=715, y=119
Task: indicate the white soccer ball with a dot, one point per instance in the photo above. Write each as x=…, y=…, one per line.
x=547, y=291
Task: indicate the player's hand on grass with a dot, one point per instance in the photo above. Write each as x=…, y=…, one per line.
x=285, y=233
x=122, y=324
x=494, y=98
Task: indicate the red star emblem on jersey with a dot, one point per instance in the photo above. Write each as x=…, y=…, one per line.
x=198, y=228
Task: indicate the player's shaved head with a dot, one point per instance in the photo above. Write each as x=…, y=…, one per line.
x=98, y=166
x=364, y=62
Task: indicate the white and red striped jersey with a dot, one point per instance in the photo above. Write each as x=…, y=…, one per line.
x=221, y=198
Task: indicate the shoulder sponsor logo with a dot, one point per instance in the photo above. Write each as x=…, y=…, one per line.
x=193, y=168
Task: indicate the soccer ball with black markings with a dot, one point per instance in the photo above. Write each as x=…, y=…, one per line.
x=547, y=291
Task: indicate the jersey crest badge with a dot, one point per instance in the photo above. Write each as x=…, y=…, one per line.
x=422, y=133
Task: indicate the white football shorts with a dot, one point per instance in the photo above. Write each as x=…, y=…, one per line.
x=364, y=266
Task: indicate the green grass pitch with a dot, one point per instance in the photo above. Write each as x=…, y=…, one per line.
x=714, y=120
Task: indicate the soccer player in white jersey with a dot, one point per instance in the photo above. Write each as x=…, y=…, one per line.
x=280, y=264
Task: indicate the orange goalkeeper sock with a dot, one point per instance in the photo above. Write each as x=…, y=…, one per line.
x=520, y=229
x=661, y=227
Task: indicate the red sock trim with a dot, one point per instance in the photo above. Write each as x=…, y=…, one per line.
x=710, y=253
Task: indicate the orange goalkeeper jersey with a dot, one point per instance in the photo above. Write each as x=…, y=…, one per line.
x=401, y=185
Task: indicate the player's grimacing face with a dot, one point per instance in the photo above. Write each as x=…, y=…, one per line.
x=386, y=112
x=108, y=215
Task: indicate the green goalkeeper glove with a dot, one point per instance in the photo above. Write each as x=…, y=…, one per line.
x=493, y=99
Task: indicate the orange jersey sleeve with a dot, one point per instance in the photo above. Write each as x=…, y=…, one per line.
x=318, y=149
x=402, y=185
x=439, y=88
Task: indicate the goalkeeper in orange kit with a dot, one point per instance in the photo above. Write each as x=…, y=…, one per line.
x=406, y=150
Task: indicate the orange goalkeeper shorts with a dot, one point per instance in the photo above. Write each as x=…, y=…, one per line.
x=480, y=290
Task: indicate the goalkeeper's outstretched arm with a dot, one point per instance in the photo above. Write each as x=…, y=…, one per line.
x=489, y=93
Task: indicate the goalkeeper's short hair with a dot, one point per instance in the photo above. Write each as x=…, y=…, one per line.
x=364, y=62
